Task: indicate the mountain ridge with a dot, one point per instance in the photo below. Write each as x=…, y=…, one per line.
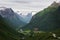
x=46, y=20
x=11, y=18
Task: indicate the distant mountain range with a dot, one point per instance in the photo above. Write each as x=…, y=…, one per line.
x=47, y=19
x=26, y=18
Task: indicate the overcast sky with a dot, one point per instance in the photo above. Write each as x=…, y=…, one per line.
x=26, y=5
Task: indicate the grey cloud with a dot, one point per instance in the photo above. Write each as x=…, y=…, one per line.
x=20, y=1
x=26, y=4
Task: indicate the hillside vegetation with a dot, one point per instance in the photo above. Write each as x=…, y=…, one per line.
x=46, y=20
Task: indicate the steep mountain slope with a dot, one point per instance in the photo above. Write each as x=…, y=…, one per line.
x=46, y=20
x=26, y=18
x=10, y=18
x=8, y=33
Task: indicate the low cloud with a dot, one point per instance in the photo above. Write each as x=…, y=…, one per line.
x=26, y=4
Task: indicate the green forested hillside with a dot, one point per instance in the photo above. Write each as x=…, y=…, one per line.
x=7, y=25
x=7, y=33
x=47, y=19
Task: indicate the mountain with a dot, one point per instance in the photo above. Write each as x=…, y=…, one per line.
x=47, y=19
x=11, y=18
x=26, y=18
x=7, y=32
